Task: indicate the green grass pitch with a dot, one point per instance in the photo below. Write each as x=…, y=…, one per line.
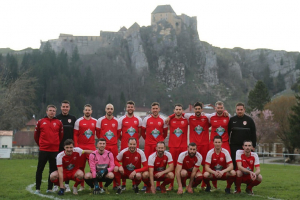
x=17, y=178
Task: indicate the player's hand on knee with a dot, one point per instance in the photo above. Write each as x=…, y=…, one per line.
x=61, y=191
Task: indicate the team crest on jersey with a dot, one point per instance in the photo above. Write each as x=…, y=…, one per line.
x=92, y=124
x=131, y=131
x=251, y=162
x=109, y=134
x=198, y=129
x=218, y=167
x=164, y=161
x=88, y=133
x=75, y=158
x=69, y=120
x=225, y=121
x=182, y=122
x=245, y=123
x=221, y=159
x=220, y=130
x=159, y=123
x=54, y=124
x=136, y=158
x=155, y=133
x=70, y=166
x=113, y=125
x=130, y=167
x=178, y=132
x=135, y=122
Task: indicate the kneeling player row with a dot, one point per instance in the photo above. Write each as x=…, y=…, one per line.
x=105, y=168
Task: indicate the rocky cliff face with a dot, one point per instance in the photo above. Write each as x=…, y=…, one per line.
x=181, y=60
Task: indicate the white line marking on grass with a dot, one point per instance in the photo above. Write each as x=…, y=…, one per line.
x=29, y=189
x=267, y=197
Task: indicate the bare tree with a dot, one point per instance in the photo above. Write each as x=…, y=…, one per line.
x=16, y=102
x=281, y=108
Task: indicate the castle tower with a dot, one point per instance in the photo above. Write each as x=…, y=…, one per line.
x=166, y=12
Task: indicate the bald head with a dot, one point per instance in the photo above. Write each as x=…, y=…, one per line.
x=109, y=109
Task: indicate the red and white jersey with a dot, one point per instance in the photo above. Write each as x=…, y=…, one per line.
x=85, y=131
x=218, y=162
x=159, y=163
x=154, y=128
x=108, y=129
x=247, y=162
x=69, y=162
x=187, y=162
x=178, y=132
x=131, y=161
x=219, y=126
x=129, y=127
x=199, y=128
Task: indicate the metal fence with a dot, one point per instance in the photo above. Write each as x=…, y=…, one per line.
x=278, y=158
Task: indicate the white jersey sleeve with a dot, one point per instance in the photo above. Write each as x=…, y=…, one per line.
x=120, y=155
x=151, y=159
x=169, y=155
x=59, y=158
x=209, y=156
x=256, y=162
x=181, y=157
x=143, y=157
x=238, y=156
x=99, y=122
x=227, y=155
x=164, y=119
x=199, y=157
x=144, y=122
x=76, y=125
x=78, y=150
x=188, y=115
x=140, y=121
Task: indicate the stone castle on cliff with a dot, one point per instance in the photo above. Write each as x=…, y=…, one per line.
x=90, y=44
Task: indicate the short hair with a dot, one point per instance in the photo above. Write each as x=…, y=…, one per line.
x=219, y=103
x=87, y=105
x=161, y=142
x=240, y=104
x=193, y=144
x=247, y=141
x=65, y=101
x=109, y=104
x=217, y=137
x=179, y=105
x=132, y=138
x=101, y=139
x=68, y=142
x=130, y=102
x=51, y=106
x=198, y=104
x=155, y=104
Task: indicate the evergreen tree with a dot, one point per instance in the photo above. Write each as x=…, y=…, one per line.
x=258, y=97
x=294, y=121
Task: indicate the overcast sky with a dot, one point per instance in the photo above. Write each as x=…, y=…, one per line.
x=273, y=24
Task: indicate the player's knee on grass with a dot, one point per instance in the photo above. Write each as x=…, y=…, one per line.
x=110, y=175
x=116, y=169
x=232, y=173
x=206, y=174
x=170, y=175
x=54, y=176
x=259, y=177
x=239, y=173
x=138, y=176
x=79, y=174
x=183, y=173
x=88, y=175
x=145, y=175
